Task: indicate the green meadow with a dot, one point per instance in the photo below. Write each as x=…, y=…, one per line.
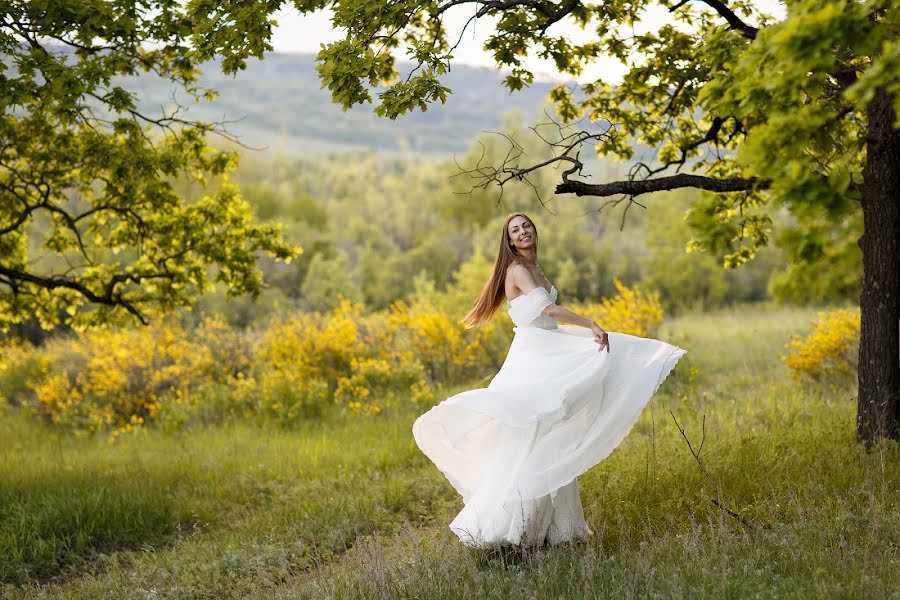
x=347, y=507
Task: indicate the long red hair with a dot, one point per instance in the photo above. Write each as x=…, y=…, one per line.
x=494, y=291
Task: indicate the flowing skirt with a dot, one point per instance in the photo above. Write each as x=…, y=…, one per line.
x=556, y=408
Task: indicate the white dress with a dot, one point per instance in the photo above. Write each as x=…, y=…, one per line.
x=556, y=408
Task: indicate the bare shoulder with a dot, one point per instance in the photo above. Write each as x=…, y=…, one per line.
x=518, y=273
x=521, y=279
x=515, y=267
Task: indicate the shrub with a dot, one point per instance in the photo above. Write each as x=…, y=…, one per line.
x=633, y=311
x=830, y=353
x=119, y=379
x=20, y=365
x=374, y=383
x=432, y=338
x=360, y=361
x=299, y=368
x=313, y=345
x=284, y=397
x=489, y=345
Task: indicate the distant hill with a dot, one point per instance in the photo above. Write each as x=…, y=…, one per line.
x=279, y=104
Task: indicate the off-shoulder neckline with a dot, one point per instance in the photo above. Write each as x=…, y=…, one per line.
x=540, y=287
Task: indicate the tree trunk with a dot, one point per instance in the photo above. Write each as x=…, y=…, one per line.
x=878, y=405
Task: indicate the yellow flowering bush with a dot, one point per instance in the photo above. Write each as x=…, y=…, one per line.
x=488, y=346
x=19, y=364
x=374, y=382
x=300, y=367
x=830, y=353
x=632, y=311
x=313, y=345
x=119, y=379
x=286, y=397
x=432, y=338
x=358, y=361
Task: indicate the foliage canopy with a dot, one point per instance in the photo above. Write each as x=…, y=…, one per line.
x=92, y=228
x=776, y=108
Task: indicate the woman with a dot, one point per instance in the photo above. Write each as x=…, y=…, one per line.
x=563, y=400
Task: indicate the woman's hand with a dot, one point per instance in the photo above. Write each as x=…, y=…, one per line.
x=601, y=337
x=564, y=315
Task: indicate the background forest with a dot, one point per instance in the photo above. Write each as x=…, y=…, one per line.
x=361, y=242
x=334, y=179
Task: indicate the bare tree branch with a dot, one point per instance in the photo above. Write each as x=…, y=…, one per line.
x=111, y=297
x=551, y=12
x=548, y=9
x=712, y=135
x=716, y=501
x=566, y=151
x=746, y=30
x=554, y=12
x=661, y=184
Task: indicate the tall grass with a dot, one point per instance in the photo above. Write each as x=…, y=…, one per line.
x=206, y=508
x=821, y=515
x=349, y=508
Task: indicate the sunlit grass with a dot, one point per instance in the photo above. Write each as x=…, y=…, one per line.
x=210, y=504
x=350, y=508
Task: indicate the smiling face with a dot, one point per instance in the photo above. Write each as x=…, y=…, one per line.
x=522, y=234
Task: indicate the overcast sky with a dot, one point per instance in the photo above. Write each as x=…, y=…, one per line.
x=305, y=33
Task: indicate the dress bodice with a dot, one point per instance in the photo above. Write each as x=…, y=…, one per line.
x=526, y=310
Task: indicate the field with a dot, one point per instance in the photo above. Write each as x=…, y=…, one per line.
x=347, y=507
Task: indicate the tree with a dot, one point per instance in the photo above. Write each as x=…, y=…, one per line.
x=798, y=113
x=329, y=282
x=93, y=228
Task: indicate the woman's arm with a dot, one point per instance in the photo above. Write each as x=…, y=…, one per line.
x=525, y=283
x=564, y=315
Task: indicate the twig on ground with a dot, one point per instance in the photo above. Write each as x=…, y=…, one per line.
x=717, y=502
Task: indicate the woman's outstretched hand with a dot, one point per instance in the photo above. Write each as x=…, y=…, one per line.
x=601, y=337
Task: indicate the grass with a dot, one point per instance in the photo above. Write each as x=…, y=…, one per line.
x=349, y=508
x=211, y=508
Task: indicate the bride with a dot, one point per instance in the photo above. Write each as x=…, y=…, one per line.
x=564, y=398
